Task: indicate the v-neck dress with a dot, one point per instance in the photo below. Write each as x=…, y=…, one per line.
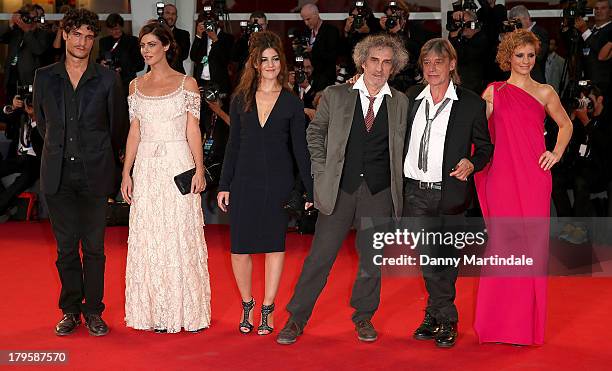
x=258, y=171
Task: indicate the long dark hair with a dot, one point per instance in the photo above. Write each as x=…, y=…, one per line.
x=164, y=34
x=249, y=81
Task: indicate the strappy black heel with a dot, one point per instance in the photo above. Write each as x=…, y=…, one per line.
x=266, y=310
x=246, y=308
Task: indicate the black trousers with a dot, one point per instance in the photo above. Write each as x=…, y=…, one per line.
x=28, y=166
x=330, y=232
x=439, y=280
x=76, y=216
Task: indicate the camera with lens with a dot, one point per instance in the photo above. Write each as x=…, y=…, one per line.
x=111, y=61
x=27, y=18
x=394, y=15
x=359, y=19
x=250, y=27
x=575, y=9
x=511, y=25
x=159, y=9
x=211, y=92
x=25, y=93
x=453, y=25
x=299, y=42
x=298, y=69
x=342, y=75
x=209, y=18
x=580, y=99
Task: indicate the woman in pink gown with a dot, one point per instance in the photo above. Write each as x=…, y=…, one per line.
x=511, y=304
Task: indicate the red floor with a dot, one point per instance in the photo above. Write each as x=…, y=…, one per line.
x=579, y=320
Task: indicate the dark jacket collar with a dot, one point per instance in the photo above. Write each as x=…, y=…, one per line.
x=90, y=72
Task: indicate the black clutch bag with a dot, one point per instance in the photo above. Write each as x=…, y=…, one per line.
x=183, y=181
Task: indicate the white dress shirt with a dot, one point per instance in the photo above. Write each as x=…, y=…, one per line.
x=364, y=94
x=588, y=32
x=435, y=152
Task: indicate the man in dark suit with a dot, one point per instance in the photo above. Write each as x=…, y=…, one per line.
x=182, y=37
x=120, y=51
x=81, y=113
x=520, y=12
x=356, y=142
x=323, y=47
x=444, y=123
x=27, y=42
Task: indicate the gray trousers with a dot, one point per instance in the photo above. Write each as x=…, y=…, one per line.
x=330, y=232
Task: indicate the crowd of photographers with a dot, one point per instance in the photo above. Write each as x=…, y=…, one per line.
x=321, y=56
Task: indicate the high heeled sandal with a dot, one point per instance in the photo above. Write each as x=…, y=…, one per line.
x=246, y=308
x=266, y=310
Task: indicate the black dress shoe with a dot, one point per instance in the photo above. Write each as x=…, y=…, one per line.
x=366, y=331
x=447, y=335
x=289, y=333
x=428, y=328
x=95, y=325
x=68, y=324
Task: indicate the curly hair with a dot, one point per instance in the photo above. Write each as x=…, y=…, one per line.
x=512, y=40
x=362, y=50
x=164, y=34
x=75, y=18
x=249, y=80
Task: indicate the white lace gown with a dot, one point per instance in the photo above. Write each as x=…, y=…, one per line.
x=167, y=283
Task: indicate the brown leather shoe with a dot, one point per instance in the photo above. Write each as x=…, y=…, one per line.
x=289, y=333
x=95, y=325
x=68, y=324
x=366, y=331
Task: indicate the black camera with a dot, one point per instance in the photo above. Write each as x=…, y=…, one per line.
x=25, y=93
x=299, y=42
x=575, y=9
x=453, y=25
x=581, y=99
x=209, y=18
x=28, y=19
x=111, y=61
x=359, y=19
x=342, y=75
x=249, y=28
x=393, y=19
x=511, y=25
x=159, y=9
x=298, y=69
x=211, y=92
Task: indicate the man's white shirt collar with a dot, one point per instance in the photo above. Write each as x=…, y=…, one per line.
x=451, y=93
x=361, y=86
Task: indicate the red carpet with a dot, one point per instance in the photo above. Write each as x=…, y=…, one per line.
x=579, y=320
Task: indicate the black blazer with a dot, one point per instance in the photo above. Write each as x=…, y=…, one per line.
x=29, y=47
x=183, y=40
x=324, y=55
x=218, y=59
x=127, y=54
x=467, y=126
x=102, y=120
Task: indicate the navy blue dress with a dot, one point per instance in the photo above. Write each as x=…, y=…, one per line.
x=258, y=171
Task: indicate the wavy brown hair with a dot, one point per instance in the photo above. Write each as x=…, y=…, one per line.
x=512, y=40
x=249, y=80
x=164, y=34
x=75, y=18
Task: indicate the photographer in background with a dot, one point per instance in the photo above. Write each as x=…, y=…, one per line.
x=594, y=39
x=472, y=48
x=29, y=147
x=412, y=35
x=323, y=44
x=300, y=80
x=240, y=53
x=120, y=52
x=587, y=167
x=181, y=37
x=521, y=13
x=360, y=23
x=27, y=42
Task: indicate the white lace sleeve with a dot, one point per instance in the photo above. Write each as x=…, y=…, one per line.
x=192, y=103
x=132, y=103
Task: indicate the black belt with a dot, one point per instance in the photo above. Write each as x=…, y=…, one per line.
x=426, y=185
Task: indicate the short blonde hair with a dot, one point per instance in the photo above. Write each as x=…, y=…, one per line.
x=512, y=40
x=362, y=50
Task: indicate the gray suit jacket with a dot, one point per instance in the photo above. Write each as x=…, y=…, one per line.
x=328, y=134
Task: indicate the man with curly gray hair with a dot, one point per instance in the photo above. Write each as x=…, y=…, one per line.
x=356, y=144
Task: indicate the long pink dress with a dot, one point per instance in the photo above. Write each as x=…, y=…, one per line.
x=511, y=308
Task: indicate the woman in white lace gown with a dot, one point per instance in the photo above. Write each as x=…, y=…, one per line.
x=167, y=284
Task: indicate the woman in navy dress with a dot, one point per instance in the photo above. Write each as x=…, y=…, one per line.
x=267, y=128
